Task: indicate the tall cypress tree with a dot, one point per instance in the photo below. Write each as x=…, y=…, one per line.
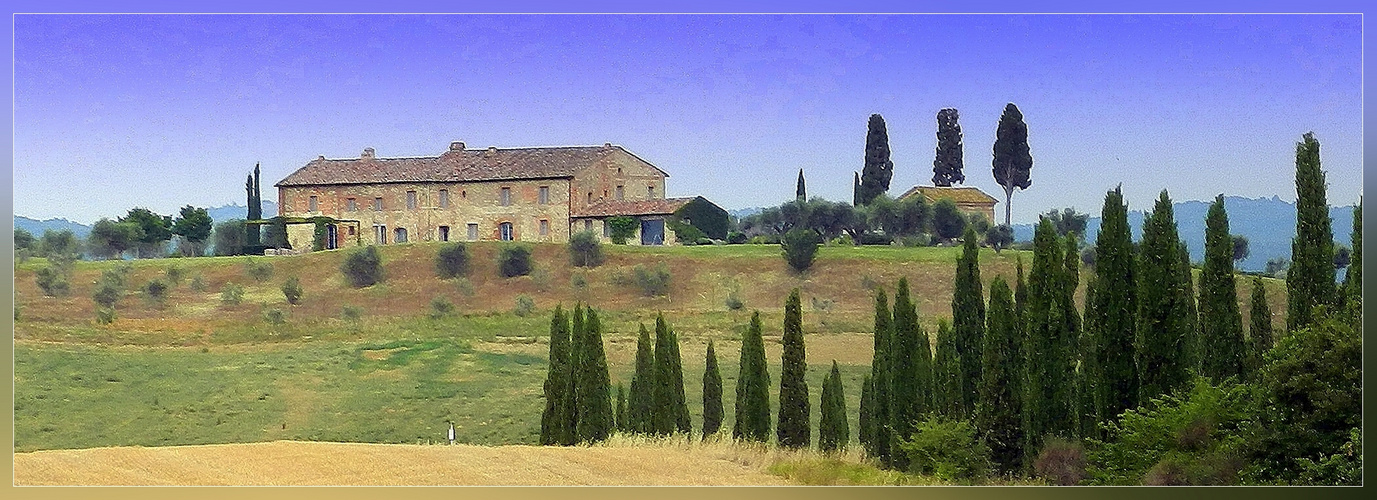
x=911, y=384
x=622, y=424
x=594, y=392
x=1310, y=280
x=642, y=402
x=833, y=430
x=946, y=167
x=752, y=420
x=577, y=357
x=1259, y=329
x=856, y=189
x=712, y=394
x=1221, y=329
x=1001, y=402
x=556, y=381
x=968, y=324
x=801, y=191
x=682, y=422
x=880, y=382
x=864, y=421
x=946, y=380
x=1186, y=289
x=1116, y=301
x=1088, y=374
x=1353, y=279
x=878, y=168
x=1163, y=333
x=794, y=429
x=1071, y=328
x=670, y=410
x=1048, y=382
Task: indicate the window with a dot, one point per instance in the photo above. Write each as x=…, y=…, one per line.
x=473, y=232
x=444, y=198
x=380, y=234
x=544, y=227
x=401, y=235
x=620, y=193
x=590, y=197
x=650, y=192
x=588, y=225
x=313, y=204
x=410, y=200
x=351, y=230
x=351, y=204
x=544, y=194
x=504, y=231
x=444, y=233
x=606, y=230
x=377, y=204
x=505, y=198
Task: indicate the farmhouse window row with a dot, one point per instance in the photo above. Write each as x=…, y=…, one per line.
x=505, y=232
x=504, y=198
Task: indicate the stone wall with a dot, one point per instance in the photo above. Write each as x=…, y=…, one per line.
x=639, y=180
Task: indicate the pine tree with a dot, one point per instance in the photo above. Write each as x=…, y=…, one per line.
x=1116, y=298
x=881, y=384
x=556, y=381
x=946, y=374
x=946, y=168
x=833, y=430
x=878, y=170
x=968, y=322
x=1048, y=380
x=801, y=191
x=1353, y=279
x=594, y=392
x=573, y=411
x=1001, y=401
x=1163, y=333
x=712, y=394
x=1310, y=280
x=911, y=387
x=1012, y=164
x=1221, y=330
x=752, y=420
x=622, y=424
x=793, y=430
x=1259, y=329
x=642, y=402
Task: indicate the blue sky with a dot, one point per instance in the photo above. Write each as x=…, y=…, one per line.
x=165, y=111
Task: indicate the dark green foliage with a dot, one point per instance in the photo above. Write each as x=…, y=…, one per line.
x=452, y=261
x=652, y=282
x=24, y=240
x=514, y=261
x=320, y=231
x=572, y=411
x=800, y=191
x=946, y=167
x=1310, y=281
x=1240, y=247
x=1116, y=302
x=1260, y=338
x=154, y=229
x=259, y=270
x=1049, y=376
x=800, y=248
x=1353, y=279
x=440, y=307
x=275, y=234
x=878, y=433
x=231, y=294
x=752, y=420
x=59, y=245
x=669, y=412
x=1187, y=291
x=1068, y=221
x=109, y=239
x=1194, y=437
x=712, y=394
x=642, y=401
x=878, y=170
x=898, y=218
x=704, y=216
x=968, y=324
x=253, y=186
x=621, y=228
x=193, y=225
x=585, y=250
x=592, y=387
x=946, y=373
x=1342, y=257
x=1001, y=399
x=53, y=280
x=910, y=358
x=948, y=221
x=794, y=428
x=1221, y=325
x=1164, y=330
x=949, y=449
x=999, y=237
x=1088, y=373
x=1012, y=162
x=621, y=409
x=155, y=291
x=363, y=267
x=291, y=290
x=229, y=238
x=865, y=421
x=833, y=429
x=557, y=384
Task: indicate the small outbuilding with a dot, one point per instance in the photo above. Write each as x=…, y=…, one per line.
x=968, y=199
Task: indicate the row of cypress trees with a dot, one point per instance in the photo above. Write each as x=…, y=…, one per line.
x=577, y=387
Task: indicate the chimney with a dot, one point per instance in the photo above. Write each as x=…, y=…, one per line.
x=320, y=158
x=367, y=154
x=492, y=149
x=607, y=145
x=456, y=146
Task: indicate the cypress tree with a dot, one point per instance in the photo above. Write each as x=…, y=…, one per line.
x=1071, y=328
x=856, y=190
x=880, y=383
x=1187, y=291
x=594, y=388
x=573, y=411
x=1048, y=381
x=1221, y=329
x=712, y=394
x=1088, y=374
x=1116, y=302
x=801, y=191
x=682, y=421
x=833, y=430
x=946, y=167
x=622, y=424
x=968, y=324
x=793, y=430
x=556, y=381
x=864, y=420
x=946, y=374
x=878, y=168
x=670, y=410
x=1353, y=279
x=1310, y=280
x=642, y=386
x=1000, y=399
x=1259, y=329
x=1163, y=335
x=911, y=384
x=752, y=420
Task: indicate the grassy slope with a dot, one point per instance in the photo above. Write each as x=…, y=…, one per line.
x=197, y=371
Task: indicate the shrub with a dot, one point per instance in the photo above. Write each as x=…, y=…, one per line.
x=652, y=283
x=541, y=278
x=686, y=233
x=704, y=241
x=980, y=223
x=107, y=292
x=198, y=283
x=1061, y=461
x=275, y=316
x=363, y=267
x=156, y=292
x=52, y=281
x=947, y=220
x=452, y=261
x=292, y=290
x=464, y=286
x=1088, y=256
x=579, y=281
x=231, y=294
x=514, y=261
x=525, y=305
x=174, y=274
x=735, y=303
x=949, y=449
x=736, y=238
x=800, y=248
x=585, y=250
x=764, y=239
x=105, y=315
x=351, y=313
x=917, y=240
x=621, y=228
x=440, y=307
x=999, y=237
x=869, y=238
x=258, y=270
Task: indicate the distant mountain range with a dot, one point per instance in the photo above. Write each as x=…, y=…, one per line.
x=217, y=214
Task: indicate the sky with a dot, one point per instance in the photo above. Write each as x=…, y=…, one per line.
x=160, y=111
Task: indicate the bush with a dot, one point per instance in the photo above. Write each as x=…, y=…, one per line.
x=585, y=250
x=53, y=282
x=440, y=307
x=258, y=270
x=198, y=284
x=105, y=315
x=979, y=223
x=363, y=267
x=764, y=239
x=947, y=220
x=1061, y=461
x=351, y=313
x=275, y=316
x=174, y=275
x=108, y=290
x=514, y=261
x=736, y=238
x=452, y=261
x=800, y=248
x=464, y=286
x=292, y=290
x=653, y=283
x=1088, y=256
x=231, y=294
x=621, y=228
x=735, y=303
x=579, y=281
x=685, y=233
x=704, y=241
x=917, y=241
x=949, y=449
x=156, y=292
x=999, y=237
x=875, y=239
x=525, y=305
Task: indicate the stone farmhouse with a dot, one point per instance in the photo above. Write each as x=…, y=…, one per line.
x=541, y=194
x=970, y=200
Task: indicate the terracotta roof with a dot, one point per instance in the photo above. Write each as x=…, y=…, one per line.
x=455, y=165
x=958, y=194
x=609, y=208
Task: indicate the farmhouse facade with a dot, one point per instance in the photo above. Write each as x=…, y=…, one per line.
x=541, y=194
x=970, y=200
